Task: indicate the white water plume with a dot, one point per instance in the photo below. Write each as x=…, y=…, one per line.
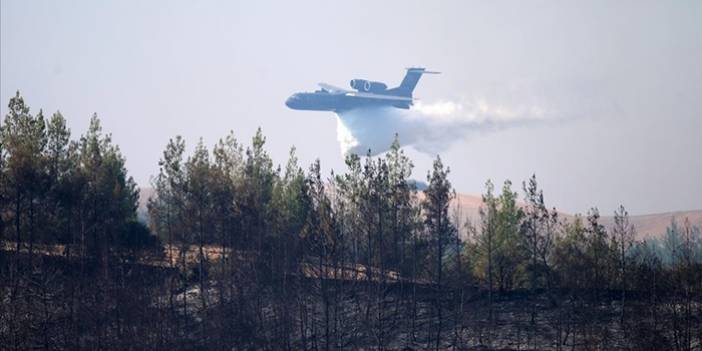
x=429, y=128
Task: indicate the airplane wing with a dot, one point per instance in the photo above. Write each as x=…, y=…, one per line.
x=332, y=89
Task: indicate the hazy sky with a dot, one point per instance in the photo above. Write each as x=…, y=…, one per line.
x=621, y=82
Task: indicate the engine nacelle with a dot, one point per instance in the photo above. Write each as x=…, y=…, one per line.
x=368, y=86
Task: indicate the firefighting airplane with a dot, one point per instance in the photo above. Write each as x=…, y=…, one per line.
x=366, y=94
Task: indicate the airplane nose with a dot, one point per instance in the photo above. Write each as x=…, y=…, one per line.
x=291, y=102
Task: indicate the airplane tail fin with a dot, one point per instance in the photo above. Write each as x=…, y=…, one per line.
x=410, y=81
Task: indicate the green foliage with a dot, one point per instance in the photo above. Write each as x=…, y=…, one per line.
x=268, y=257
x=570, y=256
x=538, y=232
x=57, y=191
x=497, y=253
x=440, y=230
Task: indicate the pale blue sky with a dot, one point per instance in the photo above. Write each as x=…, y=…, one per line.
x=623, y=78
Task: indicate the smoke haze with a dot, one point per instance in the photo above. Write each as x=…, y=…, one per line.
x=600, y=99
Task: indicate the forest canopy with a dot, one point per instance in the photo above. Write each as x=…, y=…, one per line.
x=238, y=253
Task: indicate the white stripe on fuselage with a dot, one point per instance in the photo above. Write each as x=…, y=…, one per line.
x=378, y=96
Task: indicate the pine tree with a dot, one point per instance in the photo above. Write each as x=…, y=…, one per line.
x=508, y=256
x=438, y=195
x=401, y=193
x=487, y=246
x=197, y=202
x=167, y=216
x=537, y=232
x=320, y=235
x=225, y=180
x=598, y=251
x=258, y=181
x=24, y=140
x=61, y=165
x=623, y=234
x=290, y=211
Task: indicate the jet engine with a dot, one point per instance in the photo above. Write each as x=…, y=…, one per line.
x=367, y=85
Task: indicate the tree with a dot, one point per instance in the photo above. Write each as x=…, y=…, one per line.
x=487, y=245
x=225, y=178
x=289, y=214
x=438, y=195
x=400, y=197
x=167, y=215
x=225, y=175
x=683, y=245
x=508, y=256
x=598, y=251
x=498, y=253
x=61, y=198
x=571, y=263
x=537, y=232
x=623, y=234
x=166, y=209
x=320, y=235
x=259, y=178
x=601, y=260
x=57, y=149
x=197, y=202
x=24, y=140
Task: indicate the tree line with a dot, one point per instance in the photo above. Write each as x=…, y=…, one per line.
x=238, y=253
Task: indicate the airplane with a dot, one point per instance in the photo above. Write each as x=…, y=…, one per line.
x=366, y=93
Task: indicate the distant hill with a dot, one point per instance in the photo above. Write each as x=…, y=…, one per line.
x=654, y=225
x=647, y=226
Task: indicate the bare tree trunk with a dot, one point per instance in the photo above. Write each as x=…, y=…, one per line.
x=18, y=215
x=31, y=227
x=439, y=282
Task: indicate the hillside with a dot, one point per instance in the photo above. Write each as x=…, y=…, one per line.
x=647, y=226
